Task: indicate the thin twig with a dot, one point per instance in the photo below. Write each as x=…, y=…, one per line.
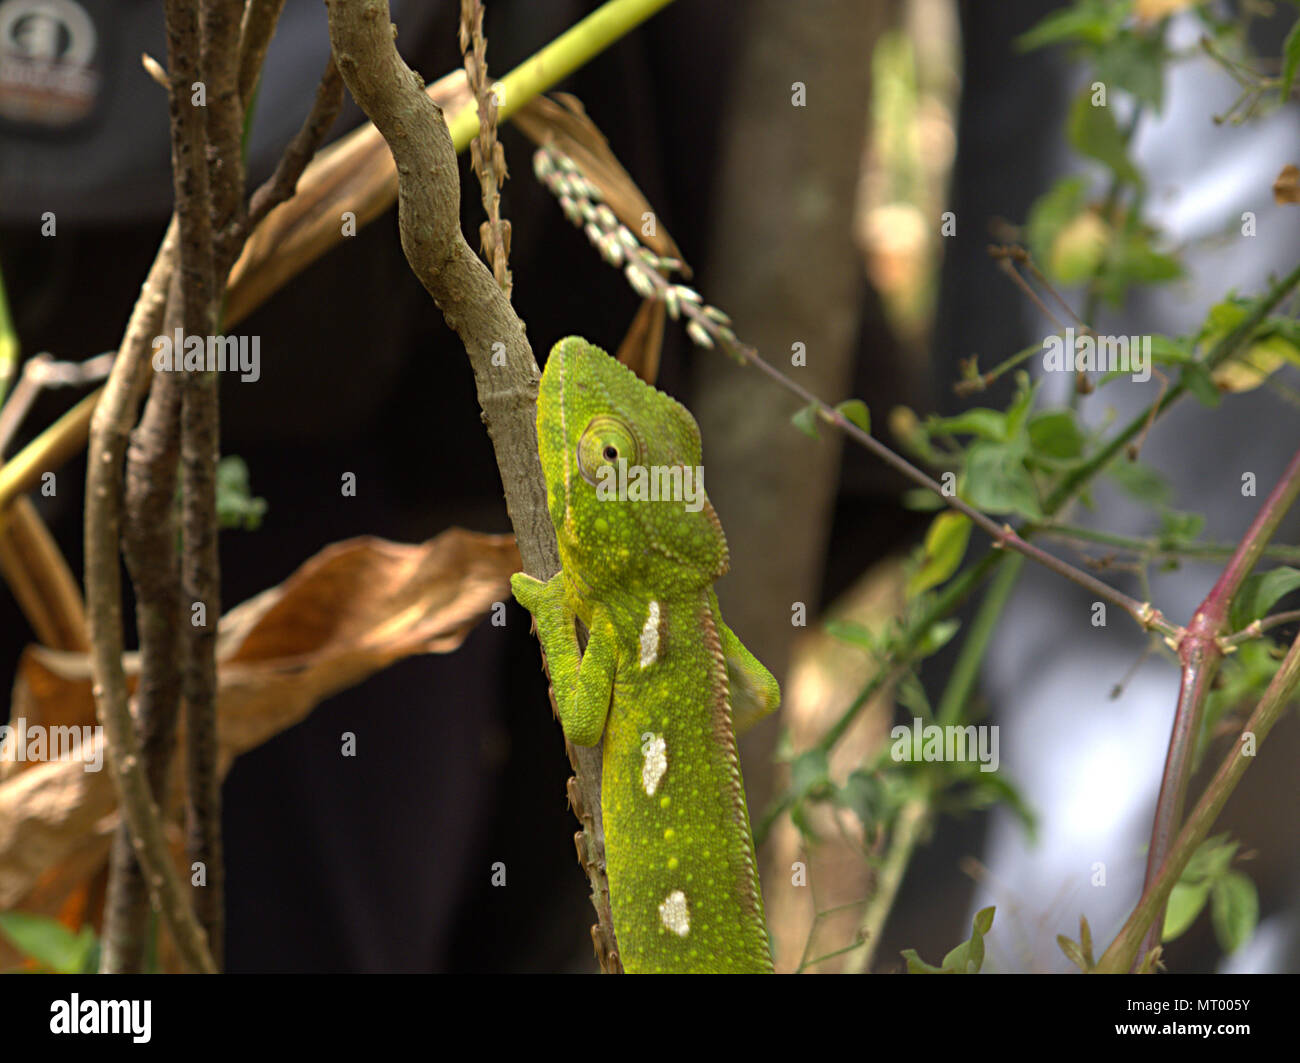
x=708, y=325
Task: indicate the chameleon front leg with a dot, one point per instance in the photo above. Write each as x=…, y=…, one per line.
x=583, y=682
x=754, y=690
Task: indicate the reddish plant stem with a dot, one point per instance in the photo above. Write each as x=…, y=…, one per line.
x=1200, y=652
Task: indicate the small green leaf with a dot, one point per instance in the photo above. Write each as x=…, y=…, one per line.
x=936, y=636
x=1290, y=60
x=945, y=546
x=855, y=412
x=48, y=941
x=1134, y=62
x=968, y=957
x=1056, y=434
x=806, y=420
x=1186, y=900
x=1199, y=382
x=977, y=421
x=1092, y=131
x=1072, y=951
x=1020, y=406
x=1211, y=859
x=1139, y=481
x=853, y=633
x=1092, y=22
x=236, y=506
x=1234, y=910
x=916, y=965
x=862, y=794
x=997, y=480
x=921, y=499
x=1258, y=593
x=810, y=772
x=1052, y=212
x=1168, y=351
x=1179, y=529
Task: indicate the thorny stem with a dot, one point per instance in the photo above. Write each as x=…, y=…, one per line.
x=1126, y=948
x=1200, y=653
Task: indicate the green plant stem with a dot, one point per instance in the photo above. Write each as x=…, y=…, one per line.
x=975, y=644
x=912, y=826
x=1151, y=548
x=557, y=60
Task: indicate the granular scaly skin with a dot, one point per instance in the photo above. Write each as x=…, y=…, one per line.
x=662, y=673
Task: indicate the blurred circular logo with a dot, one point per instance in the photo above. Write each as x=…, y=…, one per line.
x=48, y=75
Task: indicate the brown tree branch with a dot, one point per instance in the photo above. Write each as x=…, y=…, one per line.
x=472, y=303
x=149, y=546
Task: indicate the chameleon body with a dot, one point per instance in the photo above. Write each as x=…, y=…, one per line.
x=662, y=675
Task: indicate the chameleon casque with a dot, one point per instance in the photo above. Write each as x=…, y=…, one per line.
x=662, y=675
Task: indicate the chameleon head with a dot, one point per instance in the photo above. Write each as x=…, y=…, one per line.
x=624, y=480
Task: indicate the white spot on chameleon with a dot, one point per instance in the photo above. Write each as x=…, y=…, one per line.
x=674, y=914
x=654, y=751
x=650, y=636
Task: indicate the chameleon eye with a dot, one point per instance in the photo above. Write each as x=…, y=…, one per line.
x=606, y=441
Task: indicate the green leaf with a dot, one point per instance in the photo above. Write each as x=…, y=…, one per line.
x=1234, y=910
x=997, y=481
x=855, y=412
x=916, y=965
x=48, y=941
x=1056, y=434
x=1259, y=592
x=1052, y=212
x=1091, y=22
x=1168, y=351
x=945, y=546
x=1290, y=60
x=1179, y=529
x=1072, y=951
x=989, y=788
x=1199, y=382
x=806, y=420
x=1139, y=481
x=922, y=499
x=853, y=633
x=1186, y=900
x=977, y=421
x=1211, y=859
x=936, y=636
x=810, y=772
x=863, y=794
x=1020, y=406
x=968, y=957
x=1135, y=63
x=236, y=507
x=1135, y=261
x=1092, y=131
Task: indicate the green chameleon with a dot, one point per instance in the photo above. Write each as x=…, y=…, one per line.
x=662, y=675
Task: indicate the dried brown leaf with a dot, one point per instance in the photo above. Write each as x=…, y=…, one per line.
x=644, y=343
x=349, y=611
x=1286, y=189
x=562, y=121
